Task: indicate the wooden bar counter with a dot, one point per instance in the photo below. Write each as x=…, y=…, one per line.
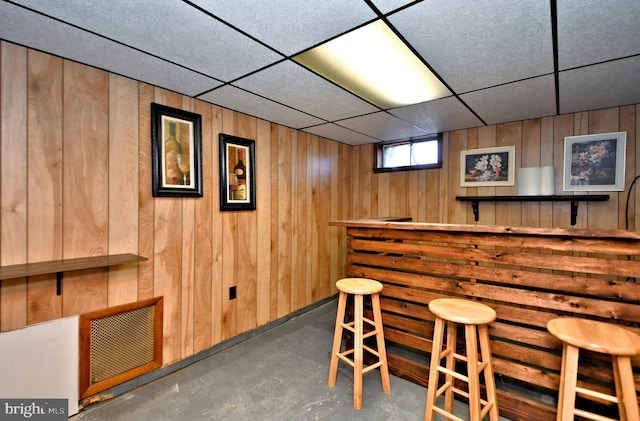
x=527, y=275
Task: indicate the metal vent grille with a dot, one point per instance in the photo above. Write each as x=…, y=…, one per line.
x=121, y=342
x=118, y=344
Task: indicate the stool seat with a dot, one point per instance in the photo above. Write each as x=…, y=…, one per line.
x=360, y=286
x=474, y=316
x=605, y=338
x=462, y=311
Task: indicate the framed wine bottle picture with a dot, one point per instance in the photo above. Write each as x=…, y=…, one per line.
x=176, y=148
x=237, y=173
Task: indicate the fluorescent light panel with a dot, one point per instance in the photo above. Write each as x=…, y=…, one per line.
x=373, y=63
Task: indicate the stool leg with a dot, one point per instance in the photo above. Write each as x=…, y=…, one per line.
x=625, y=389
x=382, y=351
x=489, y=379
x=337, y=339
x=450, y=364
x=471, y=341
x=357, y=357
x=568, y=381
x=436, y=349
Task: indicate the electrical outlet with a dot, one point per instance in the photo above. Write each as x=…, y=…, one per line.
x=232, y=293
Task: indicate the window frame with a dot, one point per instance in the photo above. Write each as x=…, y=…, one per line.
x=378, y=152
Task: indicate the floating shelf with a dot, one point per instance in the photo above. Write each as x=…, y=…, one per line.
x=574, y=199
x=66, y=265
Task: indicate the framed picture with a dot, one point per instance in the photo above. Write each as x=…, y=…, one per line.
x=176, y=148
x=237, y=173
x=488, y=167
x=594, y=162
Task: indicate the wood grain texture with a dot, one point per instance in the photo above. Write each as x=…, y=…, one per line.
x=45, y=180
x=247, y=246
x=203, y=237
x=13, y=181
x=123, y=177
x=85, y=178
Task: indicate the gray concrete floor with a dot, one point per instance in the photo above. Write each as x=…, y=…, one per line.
x=280, y=374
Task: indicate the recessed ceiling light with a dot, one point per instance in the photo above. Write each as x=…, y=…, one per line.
x=373, y=63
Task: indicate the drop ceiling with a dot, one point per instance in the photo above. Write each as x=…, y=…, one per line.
x=503, y=60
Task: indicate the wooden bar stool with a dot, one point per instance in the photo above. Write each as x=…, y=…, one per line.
x=475, y=317
x=604, y=338
x=359, y=287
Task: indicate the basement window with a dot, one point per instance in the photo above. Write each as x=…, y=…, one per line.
x=417, y=154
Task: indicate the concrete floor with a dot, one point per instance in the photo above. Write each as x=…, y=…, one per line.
x=279, y=374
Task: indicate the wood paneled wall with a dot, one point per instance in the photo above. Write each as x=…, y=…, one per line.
x=429, y=195
x=75, y=164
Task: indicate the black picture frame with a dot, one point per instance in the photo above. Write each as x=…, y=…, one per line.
x=237, y=173
x=176, y=148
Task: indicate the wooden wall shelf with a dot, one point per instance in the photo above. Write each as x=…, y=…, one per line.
x=574, y=199
x=66, y=265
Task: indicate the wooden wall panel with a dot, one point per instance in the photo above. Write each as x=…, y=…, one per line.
x=85, y=178
x=320, y=267
x=229, y=250
x=45, y=184
x=284, y=220
x=263, y=213
x=300, y=255
x=123, y=174
x=146, y=204
x=217, y=295
x=187, y=275
x=167, y=255
x=203, y=212
x=247, y=247
x=13, y=181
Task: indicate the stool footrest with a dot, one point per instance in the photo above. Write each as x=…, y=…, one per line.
x=591, y=416
x=446, y=414
x=598, y=395
x=455, y=374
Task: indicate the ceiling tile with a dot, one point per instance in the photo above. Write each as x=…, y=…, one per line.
x=293, y=25
x=383, y=126
x=604, y=85
x=531, y=98
x=388, y=6
x=247, y=103
x=165, y=28
x=480, y=44
x=293, y=85
x=27, y=28
x=592, y=31
x=438, y=116
x=340, y=134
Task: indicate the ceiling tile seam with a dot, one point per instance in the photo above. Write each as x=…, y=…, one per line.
x=253, y=72
x=72, y=25
x=611, y=60
x=346, y=128
x=268, y=99
x=238, y=30
x=553, y=6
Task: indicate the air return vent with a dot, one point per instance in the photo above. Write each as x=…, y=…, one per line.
x=118, y=344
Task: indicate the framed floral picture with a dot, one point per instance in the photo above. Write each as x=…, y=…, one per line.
x=488, y=167
x=594, y=162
